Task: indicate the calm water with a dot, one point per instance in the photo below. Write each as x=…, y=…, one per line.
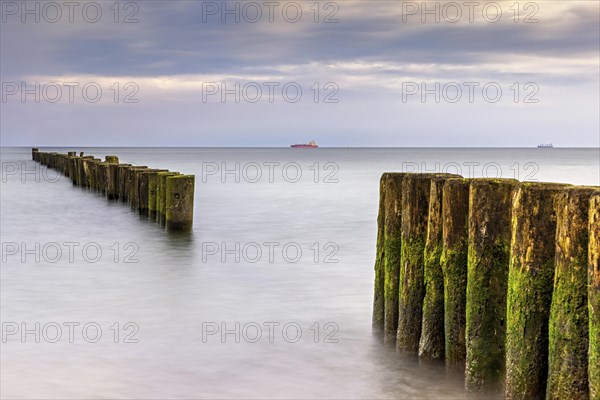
x=184, y=285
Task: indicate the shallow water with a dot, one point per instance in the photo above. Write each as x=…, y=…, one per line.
x=174, y=288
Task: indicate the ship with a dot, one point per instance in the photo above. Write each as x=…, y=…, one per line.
x=311, y=144
x=545, y=146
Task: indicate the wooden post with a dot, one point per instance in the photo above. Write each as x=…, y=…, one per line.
x=180, y=203
x=432, y=341
x=569, y=318
x=415, y=212
x=84, y=171
x=112, y=181
x=161, y=196
x=134, y=179
x=34, y=153
x=530, y=277
x=378, y=290
x=594, y=297
x=487, y=279
x=123, y=177
x=73, y=171
x=144, y=189
x=455, y=233
x=392, y=222
x=152, y=196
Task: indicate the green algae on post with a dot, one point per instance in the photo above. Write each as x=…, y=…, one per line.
x=180, y=203
x=594, y=297
x=530, y=279
x=161, y=196
x=415, y=208
x=111, y=159
x=431, y=344
x=378, y=289
x=392, y=184
x=487, y=279
x=152, y=192
x=569, y=330
x=455, y=232
x=144, y=189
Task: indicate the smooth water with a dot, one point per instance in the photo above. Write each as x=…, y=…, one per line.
x=174, y=288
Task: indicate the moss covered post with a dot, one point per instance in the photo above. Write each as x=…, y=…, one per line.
x=455, y=232
x=594, y=297
x=161, y=196
x=415, y=208
x=144, y=189
x=180, y=203
x=431, y=344
x=378, y=290
x=415, y=212
x=530, y=279
x=487, y=278
x=392, y=194
x=152, y=199
x=569, y=330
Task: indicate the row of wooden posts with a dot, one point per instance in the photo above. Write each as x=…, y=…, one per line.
x=498, y=277
x=162, y=195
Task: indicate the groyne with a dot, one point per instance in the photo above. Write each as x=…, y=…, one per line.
x=496, y=277
x=161, y=195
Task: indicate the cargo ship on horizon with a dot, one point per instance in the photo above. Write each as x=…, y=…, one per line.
x=311, y=144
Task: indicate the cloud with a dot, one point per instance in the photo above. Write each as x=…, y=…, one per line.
x=177, y=47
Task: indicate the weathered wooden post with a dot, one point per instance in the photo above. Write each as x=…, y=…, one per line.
x=392, y=217
x=378, y=290
x=415, y=207
x=152, y=196
x=161, y=195
x=455, y=233
x=594, y=297
x=84, y=173
x=180, y=203
x=123, y=177
x=102, y=171
x=93, y=182
x=144, y=189
x=111, y=177
x=111, y=159
x=432, y=341
x=530, y=279
x=415, y=212
x=134, y=186
x=487, y=278
x=71, y=153
x=34, y=153
x=73, y=169
x=569, y=330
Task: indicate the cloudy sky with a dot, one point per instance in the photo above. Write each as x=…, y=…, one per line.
x=271, y=73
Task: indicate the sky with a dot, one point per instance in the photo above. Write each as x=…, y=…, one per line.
x=271, y=73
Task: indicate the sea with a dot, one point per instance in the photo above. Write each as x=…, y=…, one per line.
x=270, y=296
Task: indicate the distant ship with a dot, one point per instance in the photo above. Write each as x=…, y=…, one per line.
x=311, y=144
x=545, y=146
